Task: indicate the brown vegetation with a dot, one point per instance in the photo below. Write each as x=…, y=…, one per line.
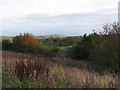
x=58, y=73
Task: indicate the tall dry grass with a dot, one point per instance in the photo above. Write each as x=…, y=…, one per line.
x=31, y=71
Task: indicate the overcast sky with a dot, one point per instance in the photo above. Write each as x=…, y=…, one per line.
x=67, y=17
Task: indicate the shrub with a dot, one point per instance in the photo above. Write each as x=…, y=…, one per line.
x=82, y=50
x=50, y=51
x=6, y=44
x=54, y=51
x=27, y=43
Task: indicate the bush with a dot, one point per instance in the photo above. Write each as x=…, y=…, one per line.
x=54, y=51
x=6, y=44
x=27, y=43
x=82, y=50
x=50, y=51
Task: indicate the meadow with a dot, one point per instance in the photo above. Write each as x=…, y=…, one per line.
x=57, y=72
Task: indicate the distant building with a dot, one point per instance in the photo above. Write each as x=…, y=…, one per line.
x=119, y=12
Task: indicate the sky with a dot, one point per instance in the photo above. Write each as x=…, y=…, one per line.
x=66, y=17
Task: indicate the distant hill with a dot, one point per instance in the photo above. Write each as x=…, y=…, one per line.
x=56, y=35
x=51, y=35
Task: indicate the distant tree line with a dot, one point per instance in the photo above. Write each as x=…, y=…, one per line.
x=58, y=41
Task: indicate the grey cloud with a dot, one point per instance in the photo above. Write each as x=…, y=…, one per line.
x=70, y=24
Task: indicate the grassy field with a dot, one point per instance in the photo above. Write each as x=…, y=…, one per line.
x=30, y=71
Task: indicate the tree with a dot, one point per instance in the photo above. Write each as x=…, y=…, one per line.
x=111, y=35
x=107, y=50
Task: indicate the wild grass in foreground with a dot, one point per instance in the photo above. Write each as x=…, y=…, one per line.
x=30, y=71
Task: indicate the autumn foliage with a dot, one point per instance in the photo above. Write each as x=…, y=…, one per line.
x=27, y=43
